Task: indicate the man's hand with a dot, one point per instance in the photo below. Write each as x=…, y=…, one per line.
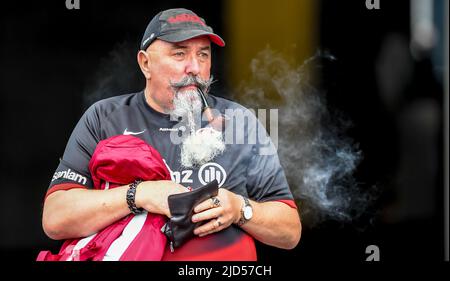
x=152, y=195
x=220, y=215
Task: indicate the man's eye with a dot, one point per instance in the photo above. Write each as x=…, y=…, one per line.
x=204, y=55
x=179, y=54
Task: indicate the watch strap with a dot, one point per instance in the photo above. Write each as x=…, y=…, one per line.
x=243, y=220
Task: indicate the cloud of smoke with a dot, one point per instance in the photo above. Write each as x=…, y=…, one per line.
x=319, y=160
x=117, y=73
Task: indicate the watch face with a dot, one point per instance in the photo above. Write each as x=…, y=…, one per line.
x=248, y=212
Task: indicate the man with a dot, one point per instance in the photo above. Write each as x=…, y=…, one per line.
x=254, y=201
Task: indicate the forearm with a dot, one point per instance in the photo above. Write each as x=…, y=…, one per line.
x=81, y=212
x=272, y=223
x=275, y=224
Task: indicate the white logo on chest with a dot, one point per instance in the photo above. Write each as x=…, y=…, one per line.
x=127, y=133
x=212, y=171
x=206, y=174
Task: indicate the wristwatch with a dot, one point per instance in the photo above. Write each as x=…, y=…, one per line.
x=246, y=212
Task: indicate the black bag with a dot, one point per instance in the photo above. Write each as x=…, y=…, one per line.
x=180, y=227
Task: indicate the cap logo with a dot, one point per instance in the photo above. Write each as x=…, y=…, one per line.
x=145, y=41
x=185, y=18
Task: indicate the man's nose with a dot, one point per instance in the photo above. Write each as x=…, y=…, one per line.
x=193, y=66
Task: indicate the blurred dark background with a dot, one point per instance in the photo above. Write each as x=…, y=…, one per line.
x=388, y=79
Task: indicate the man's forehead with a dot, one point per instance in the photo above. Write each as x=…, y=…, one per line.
x=202, y=42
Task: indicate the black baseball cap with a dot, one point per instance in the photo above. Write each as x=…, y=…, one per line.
x=176, y=25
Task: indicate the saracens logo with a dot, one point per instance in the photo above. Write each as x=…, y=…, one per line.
x=70, y=175
x=185, y=18
x=212, y=171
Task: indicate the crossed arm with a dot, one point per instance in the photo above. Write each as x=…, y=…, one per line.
x=80, y=212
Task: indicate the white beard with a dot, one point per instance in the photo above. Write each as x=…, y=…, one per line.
x=201, y=147
x=188, y=105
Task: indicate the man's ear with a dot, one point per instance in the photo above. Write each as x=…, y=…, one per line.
x=143, y=59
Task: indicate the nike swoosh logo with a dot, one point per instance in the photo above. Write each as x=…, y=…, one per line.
x=127, y=133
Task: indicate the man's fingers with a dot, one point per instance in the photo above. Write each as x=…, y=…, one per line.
x=212, y=226
x=213, y=202
x=207, y=215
